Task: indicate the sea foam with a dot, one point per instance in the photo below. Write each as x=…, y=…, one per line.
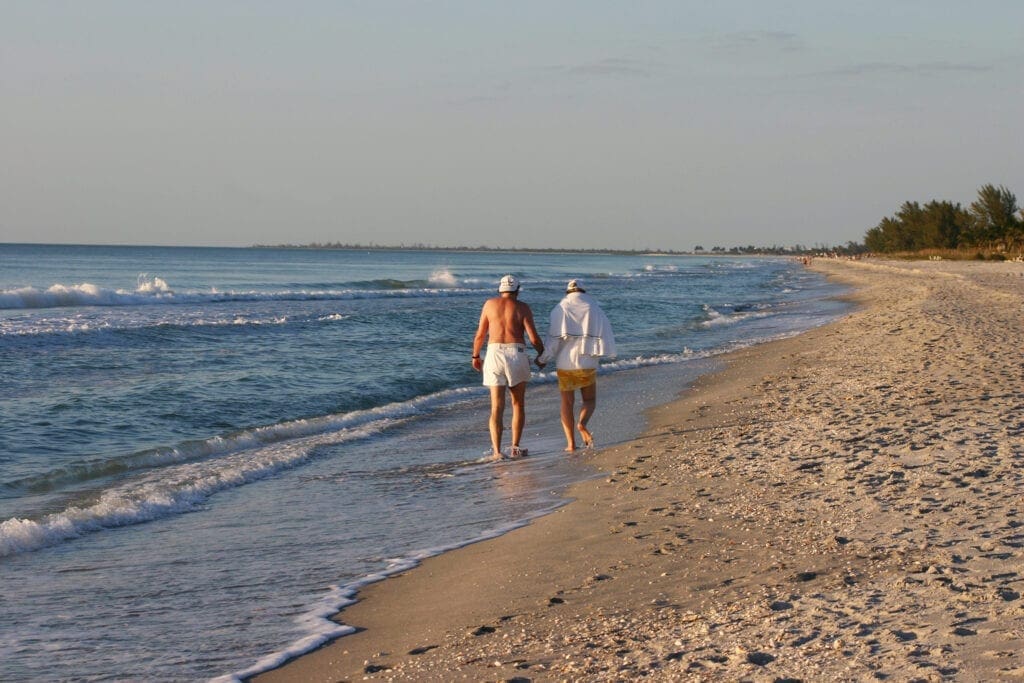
x=156, y=291
x=444, y=278
x=715, y=318
x=180, y=482
x=320, y=628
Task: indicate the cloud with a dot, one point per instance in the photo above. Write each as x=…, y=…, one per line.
x=624, y=68
x=477, y=99
x=888, y=68
x=745, y=41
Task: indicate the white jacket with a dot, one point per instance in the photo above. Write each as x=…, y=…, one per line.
x=578, y=334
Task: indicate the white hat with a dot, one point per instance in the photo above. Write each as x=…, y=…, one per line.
x=574, y=286
x=509, y=283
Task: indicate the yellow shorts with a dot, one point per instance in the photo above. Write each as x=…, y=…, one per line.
x=571, y=380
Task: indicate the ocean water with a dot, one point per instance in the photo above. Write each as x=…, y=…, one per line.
x=204, y=453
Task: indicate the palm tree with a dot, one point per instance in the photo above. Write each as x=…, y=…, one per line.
x=994, y=215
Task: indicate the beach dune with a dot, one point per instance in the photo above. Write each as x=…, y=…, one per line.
x=847, y=504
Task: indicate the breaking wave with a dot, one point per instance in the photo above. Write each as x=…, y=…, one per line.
x=175, y=480
x=156, y=291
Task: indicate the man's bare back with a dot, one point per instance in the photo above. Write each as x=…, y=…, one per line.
x=507, y=319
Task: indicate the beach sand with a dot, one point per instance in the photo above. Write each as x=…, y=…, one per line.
x=842, y=505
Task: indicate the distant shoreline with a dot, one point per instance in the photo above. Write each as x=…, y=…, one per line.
x=797, y=250
x=717, y=251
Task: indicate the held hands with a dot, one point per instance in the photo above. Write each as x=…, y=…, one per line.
x=478, y=364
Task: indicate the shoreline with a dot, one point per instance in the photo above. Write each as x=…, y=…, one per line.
x=786, y=516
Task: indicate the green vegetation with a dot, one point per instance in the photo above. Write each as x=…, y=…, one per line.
x=991, y=227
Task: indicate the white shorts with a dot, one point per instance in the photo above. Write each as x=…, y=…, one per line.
x=506, y=365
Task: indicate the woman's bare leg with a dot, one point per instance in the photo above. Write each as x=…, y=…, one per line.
x=589, y=396
x=568, y=407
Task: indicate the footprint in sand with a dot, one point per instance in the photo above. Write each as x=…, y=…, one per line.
x=903, y=636
x=1008, y=594
x=760, y=658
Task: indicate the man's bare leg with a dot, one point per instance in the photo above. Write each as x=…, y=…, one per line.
x=589, y=396
x=518, y=412
x=568, y=407
x=497, y=424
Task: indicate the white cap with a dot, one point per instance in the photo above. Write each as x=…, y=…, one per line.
x=509, y=283
x=574, y=286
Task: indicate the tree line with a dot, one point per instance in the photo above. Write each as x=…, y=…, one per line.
x=993, y=222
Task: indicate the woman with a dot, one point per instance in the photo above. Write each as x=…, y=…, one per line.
x=579, y=333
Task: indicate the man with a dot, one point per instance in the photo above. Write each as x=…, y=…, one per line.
x=579, y=333
x=503, y=321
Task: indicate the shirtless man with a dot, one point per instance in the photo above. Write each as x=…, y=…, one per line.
x=503, y=321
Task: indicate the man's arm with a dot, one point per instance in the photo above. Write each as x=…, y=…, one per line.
x=554, y=341
x=531, y=331
x=478, y=340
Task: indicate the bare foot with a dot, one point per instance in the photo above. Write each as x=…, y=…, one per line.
x=571, y=448
x=496, y=456
x=588, y=438
x=518, y=452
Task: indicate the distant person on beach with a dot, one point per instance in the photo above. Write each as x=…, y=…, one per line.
x=579, y=333
x=503, y=322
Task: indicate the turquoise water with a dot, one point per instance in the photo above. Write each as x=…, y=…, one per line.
x=204, y=452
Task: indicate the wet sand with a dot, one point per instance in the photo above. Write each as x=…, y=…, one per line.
x=847, y=504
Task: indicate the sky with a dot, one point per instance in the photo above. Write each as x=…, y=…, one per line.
x=571, y=124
